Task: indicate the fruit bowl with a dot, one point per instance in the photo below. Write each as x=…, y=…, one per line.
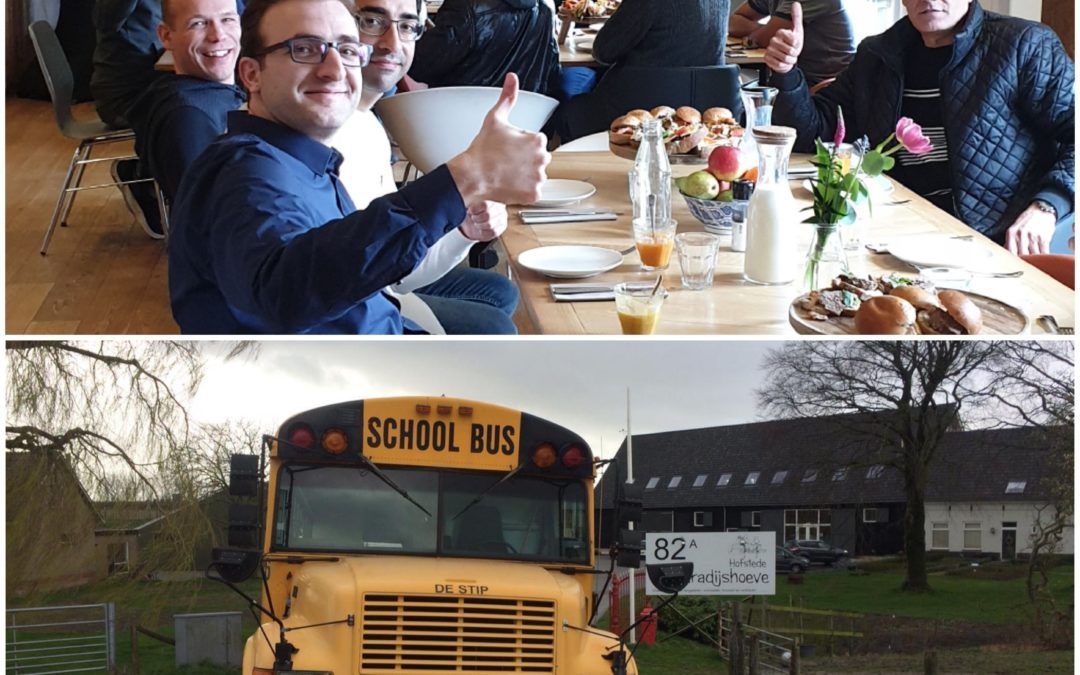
x=714, y=215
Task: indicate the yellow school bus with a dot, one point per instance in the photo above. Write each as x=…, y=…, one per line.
x=428, y=535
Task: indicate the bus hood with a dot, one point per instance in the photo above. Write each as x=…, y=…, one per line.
x=416, y=613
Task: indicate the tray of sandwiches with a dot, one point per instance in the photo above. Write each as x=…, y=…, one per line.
x=894, y=305
x=587, y=11
x=689, y=135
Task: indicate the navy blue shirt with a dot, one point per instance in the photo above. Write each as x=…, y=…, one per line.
x=174, y=121
x=264, y=238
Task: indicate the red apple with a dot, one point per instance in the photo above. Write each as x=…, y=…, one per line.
x=725, y=162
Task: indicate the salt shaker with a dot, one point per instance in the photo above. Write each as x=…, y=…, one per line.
x=740, y=199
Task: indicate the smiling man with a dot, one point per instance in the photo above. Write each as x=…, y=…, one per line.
x=179, y=115
x=266, y=239
x=994, y=94
x=442, y=294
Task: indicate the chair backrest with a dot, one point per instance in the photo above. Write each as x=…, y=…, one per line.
x=56, y=70
x=624, y=88
x=1061, y=267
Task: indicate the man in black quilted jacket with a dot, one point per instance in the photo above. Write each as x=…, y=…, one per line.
x=477, y=42
x=994, y=94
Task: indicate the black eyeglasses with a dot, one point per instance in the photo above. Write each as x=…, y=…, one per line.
x=311, y=50
x=376, y=25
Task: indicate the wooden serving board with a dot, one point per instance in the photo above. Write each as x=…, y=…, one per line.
x=999, y=318
x=630, y=152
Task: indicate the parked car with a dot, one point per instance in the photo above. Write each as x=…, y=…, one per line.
x=816, y=550
x=786, y=561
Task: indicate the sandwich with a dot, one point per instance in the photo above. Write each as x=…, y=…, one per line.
x=663, y=112
x=640, y=114
x=717, y=116
x=885, y=315
x=687, y=115
x=955, y=314
x=622, y=130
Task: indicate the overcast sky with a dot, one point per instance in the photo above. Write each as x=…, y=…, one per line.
x=579, y=384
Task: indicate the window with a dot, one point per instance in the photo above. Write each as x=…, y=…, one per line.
x=755, y=519
x=652, y=483
x=972, y=536
x=779, y=477
x=839, y=474
x=939, y=536
x=702, y=518
x=810, y=476
x=807, y=524
x=674, y=482
x=870, y=515
x=724, y=480
x=875, y=471
x=1015, y=487
x=751, y=478
x=700, y=480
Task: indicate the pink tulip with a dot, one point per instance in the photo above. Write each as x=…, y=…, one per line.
x=840, y=130
x=911, y=136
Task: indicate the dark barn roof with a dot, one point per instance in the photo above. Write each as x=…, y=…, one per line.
x=969, y=466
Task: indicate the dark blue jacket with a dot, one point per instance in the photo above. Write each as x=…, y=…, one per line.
x=264, y=238
x=174, y=121
x=477, y=42
x=1009, y=112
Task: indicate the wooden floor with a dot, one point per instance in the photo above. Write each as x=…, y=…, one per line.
x=102, y=274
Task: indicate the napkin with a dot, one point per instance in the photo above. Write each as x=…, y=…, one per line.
x=539, y=217
x=582, y=292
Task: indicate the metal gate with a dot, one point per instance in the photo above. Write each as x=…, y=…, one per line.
x=63, y=639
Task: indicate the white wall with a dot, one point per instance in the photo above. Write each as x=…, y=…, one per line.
x=1024, y=9
x=990, y=516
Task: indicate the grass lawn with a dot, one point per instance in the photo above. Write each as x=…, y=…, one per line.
x=968, y=599
x=686, y=657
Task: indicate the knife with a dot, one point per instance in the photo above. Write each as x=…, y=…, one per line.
x=567, y=212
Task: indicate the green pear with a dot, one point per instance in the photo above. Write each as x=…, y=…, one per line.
x=700, y=185
x=724, y=196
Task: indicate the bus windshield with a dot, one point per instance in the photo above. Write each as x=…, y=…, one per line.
x=347, y=509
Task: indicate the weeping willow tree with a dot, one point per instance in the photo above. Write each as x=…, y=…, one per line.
x=98, y=437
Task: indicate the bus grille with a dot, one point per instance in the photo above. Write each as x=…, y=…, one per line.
x=457, y=634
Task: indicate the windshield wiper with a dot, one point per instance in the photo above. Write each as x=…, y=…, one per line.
x=477, y=498
x=374, y=469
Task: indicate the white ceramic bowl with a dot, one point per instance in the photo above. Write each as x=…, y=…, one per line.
x=433, y=125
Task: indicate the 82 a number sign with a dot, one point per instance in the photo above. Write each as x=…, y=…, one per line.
x=668, y=550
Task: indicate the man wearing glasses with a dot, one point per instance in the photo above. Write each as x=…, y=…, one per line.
x=267, y=240
x=441, y=294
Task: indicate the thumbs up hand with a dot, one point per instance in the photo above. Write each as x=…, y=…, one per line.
x=503, y=163
x=783, y=51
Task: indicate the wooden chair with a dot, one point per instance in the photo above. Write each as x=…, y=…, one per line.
x=1060, y=266
x=88, y=132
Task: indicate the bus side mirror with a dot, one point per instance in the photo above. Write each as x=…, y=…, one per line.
x=629, y=547
x=670, y=577
x=235, y=565
x=244, y=475
x=244, y=525
x=629, y=544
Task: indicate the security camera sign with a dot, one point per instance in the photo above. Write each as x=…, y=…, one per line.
x=725, y=563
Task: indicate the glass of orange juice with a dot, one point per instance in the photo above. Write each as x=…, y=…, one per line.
x=654, y=242
x=845, y=153
x=638, y=307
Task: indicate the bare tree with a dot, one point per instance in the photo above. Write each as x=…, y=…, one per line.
x=896, y=400
x=1043, y=371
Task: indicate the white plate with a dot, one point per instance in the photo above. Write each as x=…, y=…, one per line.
x=877, y=185
x=563, y=192
x=570, y=262
x=939, y=250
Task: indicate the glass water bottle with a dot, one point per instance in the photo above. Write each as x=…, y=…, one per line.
x=772, y=215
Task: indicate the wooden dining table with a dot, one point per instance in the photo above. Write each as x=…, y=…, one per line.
x=733, y=306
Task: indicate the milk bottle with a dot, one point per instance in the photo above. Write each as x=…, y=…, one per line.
x=772, y=216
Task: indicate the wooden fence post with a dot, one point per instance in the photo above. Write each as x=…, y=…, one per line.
x=735, y=640
x=134, y=650
x=755, y=654
x=930, y=663
x=794, y=670
x=720, y=629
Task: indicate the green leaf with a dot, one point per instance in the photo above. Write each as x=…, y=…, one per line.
x=889, y=163
x=874, y=163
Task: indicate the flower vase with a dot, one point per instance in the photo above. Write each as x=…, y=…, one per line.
x=826, y=258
